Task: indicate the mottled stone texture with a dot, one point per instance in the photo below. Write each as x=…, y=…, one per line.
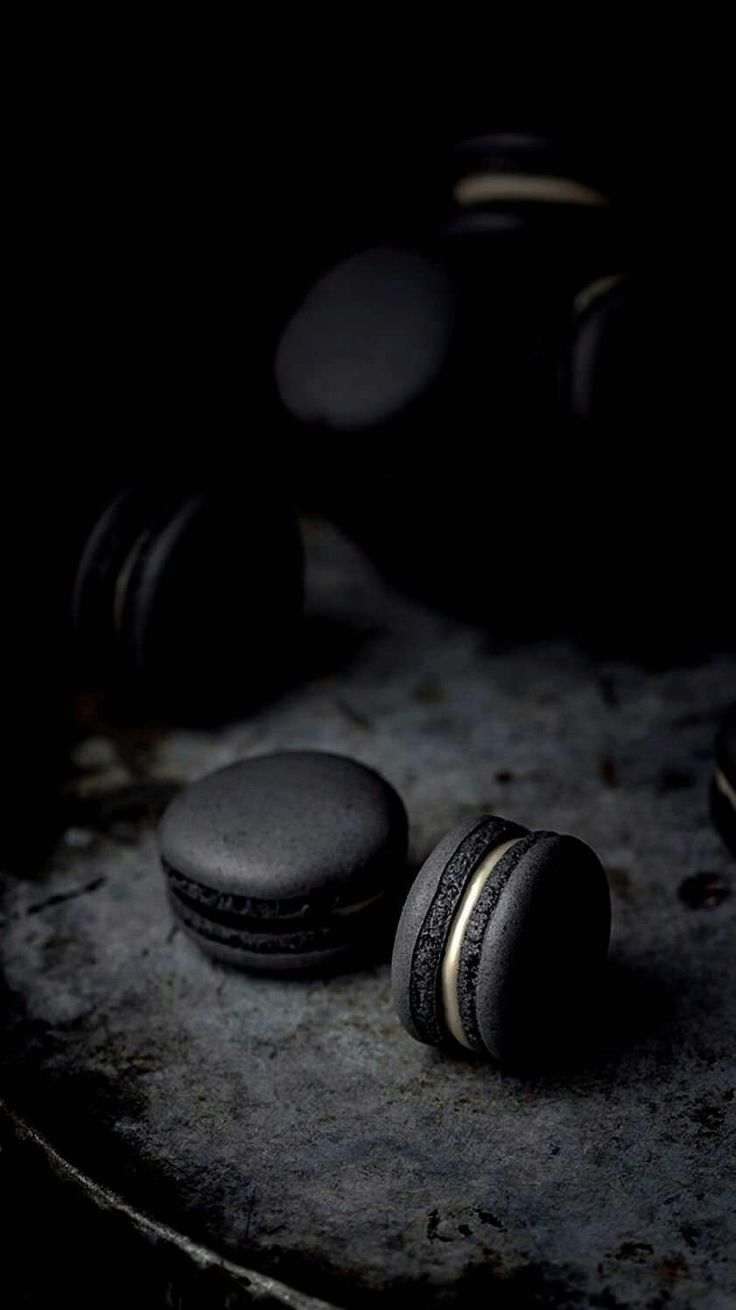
x=291, y=1126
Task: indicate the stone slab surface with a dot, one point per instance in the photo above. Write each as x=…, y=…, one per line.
x=291, y=1127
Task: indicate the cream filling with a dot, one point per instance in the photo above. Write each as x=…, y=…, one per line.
x=725, y=788
x=451, y=958
x=489, y=188
x=593, y=291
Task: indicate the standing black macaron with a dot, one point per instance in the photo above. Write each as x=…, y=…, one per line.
x=287, y=862
x=500, y=938
x=723, y=787
x=187, y=593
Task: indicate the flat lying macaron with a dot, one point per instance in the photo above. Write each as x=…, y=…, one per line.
x=500, y=937
x=293, y=861
x=723, y=789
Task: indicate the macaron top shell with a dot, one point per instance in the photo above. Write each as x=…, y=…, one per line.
x=549, y=936
x=369, y=339
x=292, y=825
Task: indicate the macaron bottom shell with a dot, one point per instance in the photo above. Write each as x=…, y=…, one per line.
x=544, y=951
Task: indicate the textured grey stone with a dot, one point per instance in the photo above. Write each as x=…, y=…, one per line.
x=292, y=1126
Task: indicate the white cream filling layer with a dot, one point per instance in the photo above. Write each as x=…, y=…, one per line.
x=489, y=188
x=725, y=788
x=451, y=957
x=593, y=291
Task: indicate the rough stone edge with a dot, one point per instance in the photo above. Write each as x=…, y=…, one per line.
x=257, y=1285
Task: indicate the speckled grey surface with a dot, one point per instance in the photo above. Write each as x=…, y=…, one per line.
x=292, y=1126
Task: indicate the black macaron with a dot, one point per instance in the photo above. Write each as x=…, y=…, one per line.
x=287, y=862
x=723, y=787
x=188, y=592
x=501, y=935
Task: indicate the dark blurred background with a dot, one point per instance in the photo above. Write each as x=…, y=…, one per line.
x=175, y=217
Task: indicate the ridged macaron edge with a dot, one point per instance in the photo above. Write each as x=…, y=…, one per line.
x=475, y=935
x=425, y=922
x=243, y=953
